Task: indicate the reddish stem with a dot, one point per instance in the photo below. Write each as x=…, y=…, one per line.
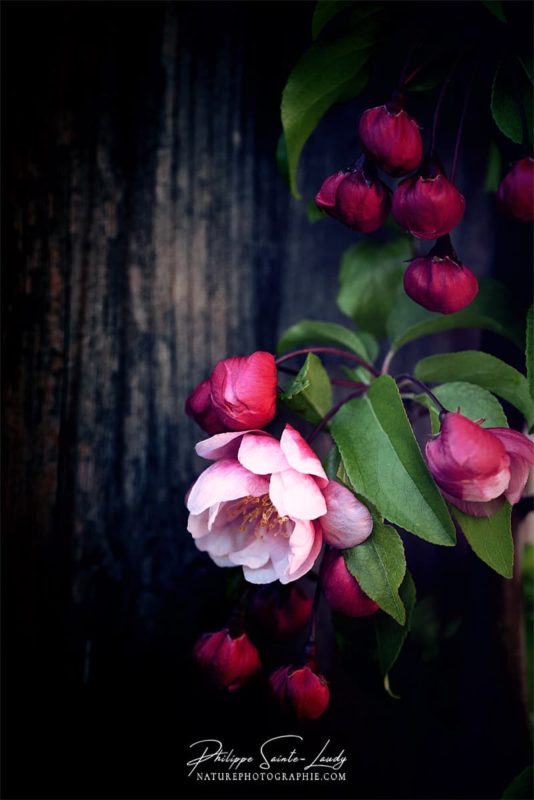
x=333, y=351
x=333, y=411
x=346, y=383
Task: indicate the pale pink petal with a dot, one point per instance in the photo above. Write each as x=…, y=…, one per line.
x=347, y=522
x=296, y=495
x=300, y=455
x=222, y=543
x=254, y=555
x=223, y=445
x=221, y=562
x=198, y=524
x=224, y=480
x=519, y=470
x=515, y=442
x=261, y=454
x=301, y=543
x=213, y=512
x=308, y=563
x=264, y=574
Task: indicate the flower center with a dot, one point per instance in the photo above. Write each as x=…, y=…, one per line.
x=259, y=514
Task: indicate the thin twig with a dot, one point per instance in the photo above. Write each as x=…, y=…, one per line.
x=333, y=351
x=333, y=411
x=425, y=389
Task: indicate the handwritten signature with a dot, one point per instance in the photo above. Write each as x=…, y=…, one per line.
x=269, y=754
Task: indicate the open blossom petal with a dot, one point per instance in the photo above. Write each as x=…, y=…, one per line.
x=263, y=508
x=254, y=555
x=222, y=445
x=261, y=454
x=296, y=495
x=347, y=522
x=266, y=574
x=300, y=456
x=224, y=480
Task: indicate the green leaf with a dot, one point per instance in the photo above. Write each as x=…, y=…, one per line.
x=310, y=392
x=371, y=345
x=493, y=169
x=384, y=463
x=332, y=462
x=311, y=331
x=491, y=310
x=325, y=10
x=504, y=103
x=521, y=786
x=482, y=370
x=329, y=72
x=379, y=564
x=281, y=158
x=473, y=401
x=529, y=355
x=490, y=538
x=390, y=635
x=370, y=276
x=315, y=214
x=495, y=8
x=527, y=585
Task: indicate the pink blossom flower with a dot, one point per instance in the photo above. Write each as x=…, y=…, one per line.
x=240, y=394
x=265, y=504
x=478, y=468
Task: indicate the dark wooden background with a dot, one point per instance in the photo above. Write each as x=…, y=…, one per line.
x=147, y=234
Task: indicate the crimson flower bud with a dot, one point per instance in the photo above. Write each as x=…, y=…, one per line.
x=198, y=406
x=439, y=282
x=391, y=137
x=515, y=195
x=282, y=610
x=243, y=391
x=356, y=197
x=341, y=590
x=427, y=204
x=301, y=691
x=229, y=661
x=239, y=395
x=478, y=468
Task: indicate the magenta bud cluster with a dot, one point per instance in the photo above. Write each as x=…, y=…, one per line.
x=426, y=204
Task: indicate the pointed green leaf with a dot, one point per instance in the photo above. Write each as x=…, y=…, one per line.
x=379, y=564
x=491, y=310
x=310, y=392
x=315, y=214
x=482, y=370
x=473, y=401
x=312, y=331
x=281, y=158
x=493, y=169
x=384, y=464
x=390, y=635
x=329, y=72
x=490, y=538
x=504, y=104
x=370, y=276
